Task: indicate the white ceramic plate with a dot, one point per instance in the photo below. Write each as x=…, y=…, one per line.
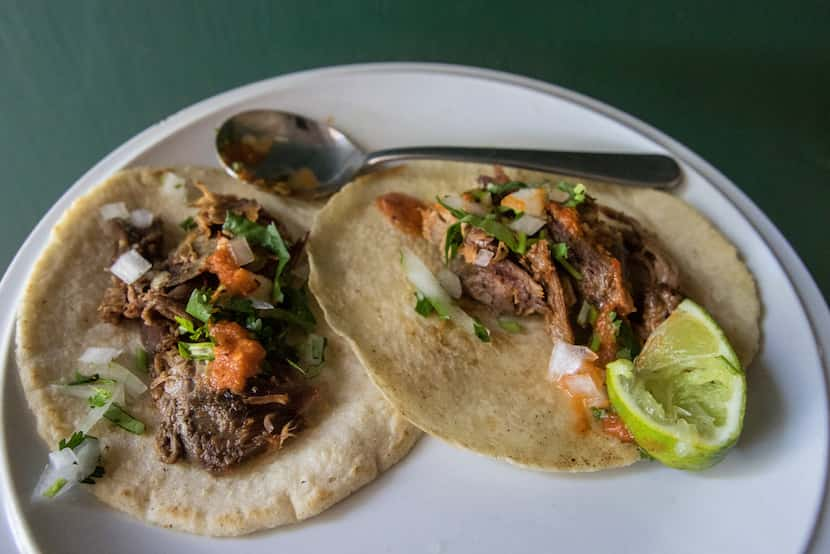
x=766, y=497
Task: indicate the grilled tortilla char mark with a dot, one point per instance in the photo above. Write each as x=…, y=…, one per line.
x=216, y=428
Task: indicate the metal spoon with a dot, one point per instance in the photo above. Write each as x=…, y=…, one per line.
x=292, y=152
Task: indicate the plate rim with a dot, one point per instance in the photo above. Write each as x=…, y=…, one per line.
x=806, y=289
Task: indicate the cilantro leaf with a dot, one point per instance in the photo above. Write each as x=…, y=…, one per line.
x=199, y=304
x=576, y=193
x=482, y=332
x=452, y=241
x=188, y=224
x=142, y=359
x=422, y=305
x=505, y=188
x=509, y=325
x=186, y=327
x=99, y=398
x=267, y=237
x=599, y=413
x=75, y=440
x=560, y=254
x=118, y=415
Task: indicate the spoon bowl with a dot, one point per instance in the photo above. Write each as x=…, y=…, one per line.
x=289, y=153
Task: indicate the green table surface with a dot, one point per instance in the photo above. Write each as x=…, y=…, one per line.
x=744, y=84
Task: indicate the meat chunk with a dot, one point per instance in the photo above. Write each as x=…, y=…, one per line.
x=148, y=241
x=602, y=283
x=214, y=207
x=219, y=430
x=541, y=266
x=121, y=300
x=504, y=286
x=653, y=276
x=189, y=259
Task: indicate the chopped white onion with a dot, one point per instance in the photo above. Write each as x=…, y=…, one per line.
x=567, y=359
x=99, y=355
x=171, y=182
x=78, y=391
x=531, y=201
x=141, y=218
x=483, y=257
x=583, y=386
x=264, y=291
x=450, y=282
x=94, y=415
x=118, y=372
x=130, y=266
x=241, y=250
x=69, y=465
x=261, y=305
x=114, y=210
x=527, y=224
x=425, y=282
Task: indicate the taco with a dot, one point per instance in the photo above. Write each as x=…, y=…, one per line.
x=525, y=263
x=172, y=357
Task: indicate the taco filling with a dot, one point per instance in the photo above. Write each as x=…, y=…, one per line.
x=226, y=326
x=597, y=277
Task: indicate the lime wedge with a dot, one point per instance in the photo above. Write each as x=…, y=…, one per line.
x=684, y=396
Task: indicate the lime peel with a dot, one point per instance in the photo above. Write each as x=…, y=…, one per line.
x=683, y=399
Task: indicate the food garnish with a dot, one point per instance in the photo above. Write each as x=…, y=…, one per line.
x=683, y=397
x=431, y=290
x=130, y=267
x=77, y=460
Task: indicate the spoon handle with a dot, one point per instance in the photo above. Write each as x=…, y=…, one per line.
x=642, y=170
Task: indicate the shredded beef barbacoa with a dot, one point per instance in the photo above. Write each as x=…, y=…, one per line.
x=215, y=428
x=623, y=273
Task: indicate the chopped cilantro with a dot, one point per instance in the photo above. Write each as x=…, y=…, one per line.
x=594, y=344
x=422, y=305
x=505, y=188
x=118, y=415
x=560, y=254
x=142, y=359
x=576, y=193
x=587, y=314
x=490, y=225
x=510, y=325
x=188, y=224
x=627, y=341
x=599, y=413
x=482, y=332
x=186, y=327
x=199, y=304
x=452, y=241
x=99, y=398
x=196, y=350
x=268, y=237
x=75, y=440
